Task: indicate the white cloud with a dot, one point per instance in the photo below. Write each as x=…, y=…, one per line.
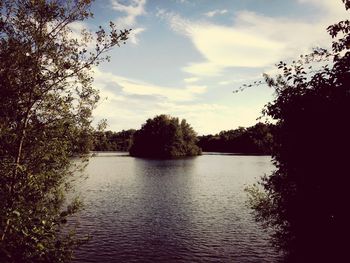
x=254, y=40
x=191, y=80
x=203, y=69
x=216, y=12
x=136, y=87
x=132, y=10
x=196, y=89
x=133, y=37
x=224, y=46
x=224, y=82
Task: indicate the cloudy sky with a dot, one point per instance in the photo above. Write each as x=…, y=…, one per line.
x=184, y=58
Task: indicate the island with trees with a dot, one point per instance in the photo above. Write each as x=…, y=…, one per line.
x=165, y=137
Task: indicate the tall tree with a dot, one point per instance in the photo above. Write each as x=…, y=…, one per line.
x=306, y=198
x=46, y=100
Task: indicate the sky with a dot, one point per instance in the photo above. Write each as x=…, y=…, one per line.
x=185, y=58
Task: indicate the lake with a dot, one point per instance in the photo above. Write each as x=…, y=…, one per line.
x=183, y=210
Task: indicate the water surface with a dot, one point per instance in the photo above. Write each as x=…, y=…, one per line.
x=184, y=210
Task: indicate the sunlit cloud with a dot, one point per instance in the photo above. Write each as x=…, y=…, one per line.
x=196, y=89
x=127, y=103
x=137, y=87
x=191, y=80
x=224, y=82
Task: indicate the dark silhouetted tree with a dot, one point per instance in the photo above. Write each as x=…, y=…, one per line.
x=257, y=139
x=306, y=199
x=165, y=137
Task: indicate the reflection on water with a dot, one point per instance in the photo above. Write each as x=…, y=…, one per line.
x=185, y=210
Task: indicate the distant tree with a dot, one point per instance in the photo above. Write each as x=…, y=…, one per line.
x=165, y=137
x=113, y=141
x=306, y=199
x=46, y=99
x=257, y=139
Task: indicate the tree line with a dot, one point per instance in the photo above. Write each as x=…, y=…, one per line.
x=257, y=139
x=112, y=141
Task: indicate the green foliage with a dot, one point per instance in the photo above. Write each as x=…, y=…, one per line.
x=165, y=137
x=46, y=99
x=305, y=199
x=257, y=139
x=112, y=141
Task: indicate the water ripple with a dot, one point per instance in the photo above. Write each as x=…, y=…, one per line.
x=188, y=210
